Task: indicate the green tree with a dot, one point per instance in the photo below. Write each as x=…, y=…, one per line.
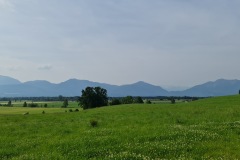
x=115, y=101
x=25, y=104
x=127, y=100
x=65, y=103
x=173, y=101
x=33, y=105
x=138, y=100
x=9, y=103
x=93, y=97
x=148, y=102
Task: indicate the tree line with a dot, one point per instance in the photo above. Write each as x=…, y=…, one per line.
x=92, y=97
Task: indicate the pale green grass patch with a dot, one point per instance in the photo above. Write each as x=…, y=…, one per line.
x=22, y=110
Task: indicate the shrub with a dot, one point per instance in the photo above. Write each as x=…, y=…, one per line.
x=173, y=101
x=65, y=103
x=26, y=113
x=9, y=103
x=43, y=112
x=33, y=105
x=148, y=102
x=76, y=110
x=127, y=100
x=25, y=104
x=70, y=110
x=45, y=105
x=115, y=102
x=138, y=100
x=93, y=123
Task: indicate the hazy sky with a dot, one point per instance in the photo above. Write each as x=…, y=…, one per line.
x=163, y=42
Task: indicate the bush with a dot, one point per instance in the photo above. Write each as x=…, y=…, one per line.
x=76, y=110
x=9, y=104
x=138, y=100
x=115, y=102
x=148, y=102
x=127, y=100
x=65, y=103
x=25, y=104
x=173, y=101
x=33, y=105
x=70, y=110
x=93, y=123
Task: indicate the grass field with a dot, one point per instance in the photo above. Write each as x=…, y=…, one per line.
x=204, y=129
x=22, y=110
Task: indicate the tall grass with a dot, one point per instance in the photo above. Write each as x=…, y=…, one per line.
x=205, y=129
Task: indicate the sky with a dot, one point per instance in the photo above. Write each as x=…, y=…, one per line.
x=168, y=43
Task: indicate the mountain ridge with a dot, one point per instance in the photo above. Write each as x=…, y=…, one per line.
x=10, y=87
x=5, y=80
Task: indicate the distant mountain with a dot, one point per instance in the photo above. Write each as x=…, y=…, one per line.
x=138, y=89
x=74, y=87
x=219, y=87
x=10, y=87
x=4, y=80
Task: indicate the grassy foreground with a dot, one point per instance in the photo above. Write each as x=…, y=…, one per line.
x=205, y=129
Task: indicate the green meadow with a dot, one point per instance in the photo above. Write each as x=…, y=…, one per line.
x=203, y=129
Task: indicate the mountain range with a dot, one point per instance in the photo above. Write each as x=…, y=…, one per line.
x=10, y=87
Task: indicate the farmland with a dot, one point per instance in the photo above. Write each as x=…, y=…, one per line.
x=203, y=129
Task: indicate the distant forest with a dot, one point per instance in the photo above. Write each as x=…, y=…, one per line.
x=75, y=98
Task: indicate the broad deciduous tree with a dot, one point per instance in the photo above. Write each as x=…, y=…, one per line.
x=65, y=103
x=127, y=100
x=93, y=97
x=138, y=100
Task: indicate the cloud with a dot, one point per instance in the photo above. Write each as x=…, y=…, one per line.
x=14, y=68
x=6, y=4
x=45, y=67
x=194, y=40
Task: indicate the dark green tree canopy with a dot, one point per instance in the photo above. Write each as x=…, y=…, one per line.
x=173, y=101
x=115, y=101
x=25, y=104
x=127, y=100
x=148, y=101
x=65, y=103
x=93, y=97
x=9, y=103
x=138, y=100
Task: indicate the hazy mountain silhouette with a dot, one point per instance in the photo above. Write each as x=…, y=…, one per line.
x=10, y=87
x=4, y=80
x=219, y=87
x=138, y=89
